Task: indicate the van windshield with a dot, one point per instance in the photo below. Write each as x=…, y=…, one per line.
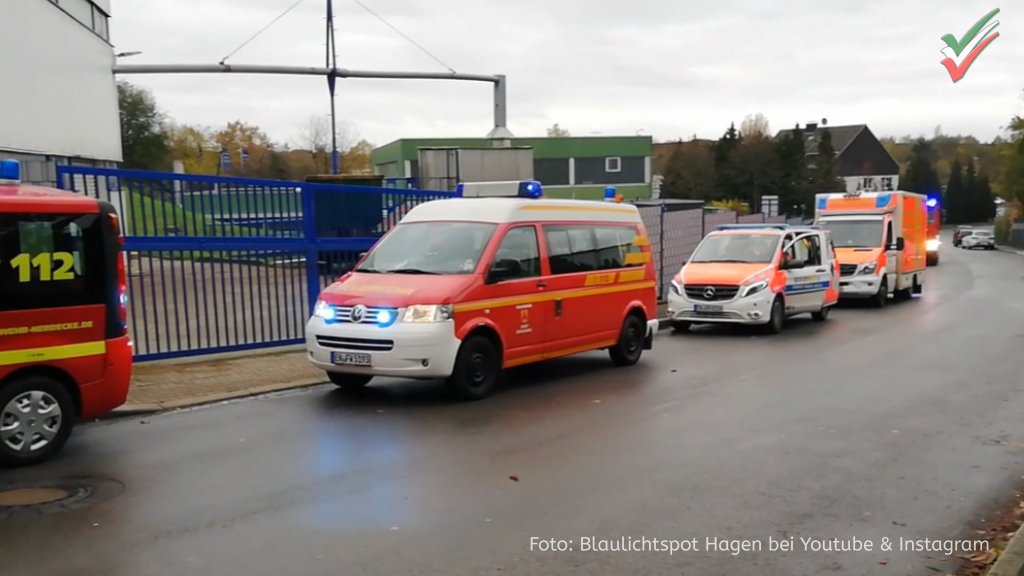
x=429, y=248
x=854, y=233
x=745, y=248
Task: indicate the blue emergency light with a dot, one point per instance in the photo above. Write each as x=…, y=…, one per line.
x=609, y=194
x=933, y=202
x=508, y=189
x=10, y=172
x=530, y=189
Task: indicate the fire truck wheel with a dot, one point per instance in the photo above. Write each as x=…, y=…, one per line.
x=777, y=319
x=631, y=342
x=36, y=418
x=477, y=369
x=349, y=381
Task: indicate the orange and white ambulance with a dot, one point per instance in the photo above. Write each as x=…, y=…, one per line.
x=756, y=274
x=881, y=241
x=465, y=287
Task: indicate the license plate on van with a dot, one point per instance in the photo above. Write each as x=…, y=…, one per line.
x=350, y=359
x=707, y=308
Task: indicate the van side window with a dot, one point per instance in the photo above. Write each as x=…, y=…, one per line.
x=813, y=251
x=520, y=244
x=889, y=239
x=613, y=244
x=800, y=250
x=571, y=249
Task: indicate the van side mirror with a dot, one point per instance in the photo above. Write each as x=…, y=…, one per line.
x=363, y=255
x=503, y=270
x=901, y=243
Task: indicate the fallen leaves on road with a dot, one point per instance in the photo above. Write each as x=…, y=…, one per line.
x=514, y=478
x=999, y=529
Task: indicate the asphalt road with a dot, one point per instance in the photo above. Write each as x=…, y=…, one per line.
x=903, y=422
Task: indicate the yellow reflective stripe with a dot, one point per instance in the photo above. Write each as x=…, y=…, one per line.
x=638, y=258
x=632, y=275
x=550, y=296
x=641, y=241
x=65, y=352
x=557, y=353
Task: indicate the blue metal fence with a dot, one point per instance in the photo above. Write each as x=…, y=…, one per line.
x=219, y=264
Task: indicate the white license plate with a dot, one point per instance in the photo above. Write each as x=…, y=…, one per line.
x=707, y=308
x=350, y=359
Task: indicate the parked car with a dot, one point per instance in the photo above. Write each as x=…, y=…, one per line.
x=959, y=233
x=979, y=239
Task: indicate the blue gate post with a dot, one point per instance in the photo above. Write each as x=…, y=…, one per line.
x=312, y=251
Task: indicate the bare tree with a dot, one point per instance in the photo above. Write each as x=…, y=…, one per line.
x=315, y=138
x=755, y=127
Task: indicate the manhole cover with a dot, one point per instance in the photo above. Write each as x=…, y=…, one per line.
x=32, y=496
x=55, y=496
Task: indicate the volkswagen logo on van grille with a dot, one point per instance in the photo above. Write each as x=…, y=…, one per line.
x=709, y=293
x=358, y=313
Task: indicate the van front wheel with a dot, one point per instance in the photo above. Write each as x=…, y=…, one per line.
x=477, y=369
x=630, y=346
x=36, y=417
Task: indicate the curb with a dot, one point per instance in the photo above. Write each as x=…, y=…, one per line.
x=133, y=410
x=1009, y=249
x=1011, y=561
x=136, y=410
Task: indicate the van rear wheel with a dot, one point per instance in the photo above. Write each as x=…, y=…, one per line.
x=630, y=347
x=36, y=418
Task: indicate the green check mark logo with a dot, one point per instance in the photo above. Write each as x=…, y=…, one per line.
x=958, y=45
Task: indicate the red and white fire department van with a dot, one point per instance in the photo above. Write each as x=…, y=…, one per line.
x=65, y=352
x=465, y=287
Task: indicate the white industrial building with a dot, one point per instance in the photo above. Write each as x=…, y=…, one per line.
x=58, y=96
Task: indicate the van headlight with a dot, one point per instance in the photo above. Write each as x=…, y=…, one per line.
x=755, y=288
x=867, y=269
x=427, y=313
x=676, y=287
x=325, y=311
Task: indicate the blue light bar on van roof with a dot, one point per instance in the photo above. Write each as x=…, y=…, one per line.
x=507, y=189
x=933, y=202
x=10, y=172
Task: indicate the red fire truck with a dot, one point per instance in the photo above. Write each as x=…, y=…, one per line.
x=65, y=353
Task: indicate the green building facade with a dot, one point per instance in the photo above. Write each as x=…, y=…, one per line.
x=568, y=167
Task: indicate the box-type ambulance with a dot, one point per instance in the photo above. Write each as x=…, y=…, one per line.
x=881, y=242
x=465, y=287
x=756, y=274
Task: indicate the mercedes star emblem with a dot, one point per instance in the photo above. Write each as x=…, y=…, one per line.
x=358, y=313
x=709, y=292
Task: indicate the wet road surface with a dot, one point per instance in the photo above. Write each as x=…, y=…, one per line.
x=902, y=422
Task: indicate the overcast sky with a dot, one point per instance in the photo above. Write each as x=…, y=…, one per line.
x=665, y=68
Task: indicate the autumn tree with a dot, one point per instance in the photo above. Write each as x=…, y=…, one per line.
x=143, y=133
x=955, y=200
x=194, y=147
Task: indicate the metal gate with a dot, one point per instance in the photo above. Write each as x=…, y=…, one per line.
x=219, y=264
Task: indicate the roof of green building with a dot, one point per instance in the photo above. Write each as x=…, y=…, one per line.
x=561, y=147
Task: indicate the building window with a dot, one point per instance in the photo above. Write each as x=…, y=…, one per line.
x=100, y=23
x=613, y=164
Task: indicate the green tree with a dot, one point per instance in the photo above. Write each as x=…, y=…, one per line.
x=556, y=131
x=757, y=167
x=689, y=172
x=972, y=206
x=725, y=162
x=954, y=200
x=987, y=206
x=823, y=175
x=795, y=193
x=143, y=133
x=921, y=176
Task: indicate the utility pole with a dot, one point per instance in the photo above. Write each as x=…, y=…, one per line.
x=332, y=65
